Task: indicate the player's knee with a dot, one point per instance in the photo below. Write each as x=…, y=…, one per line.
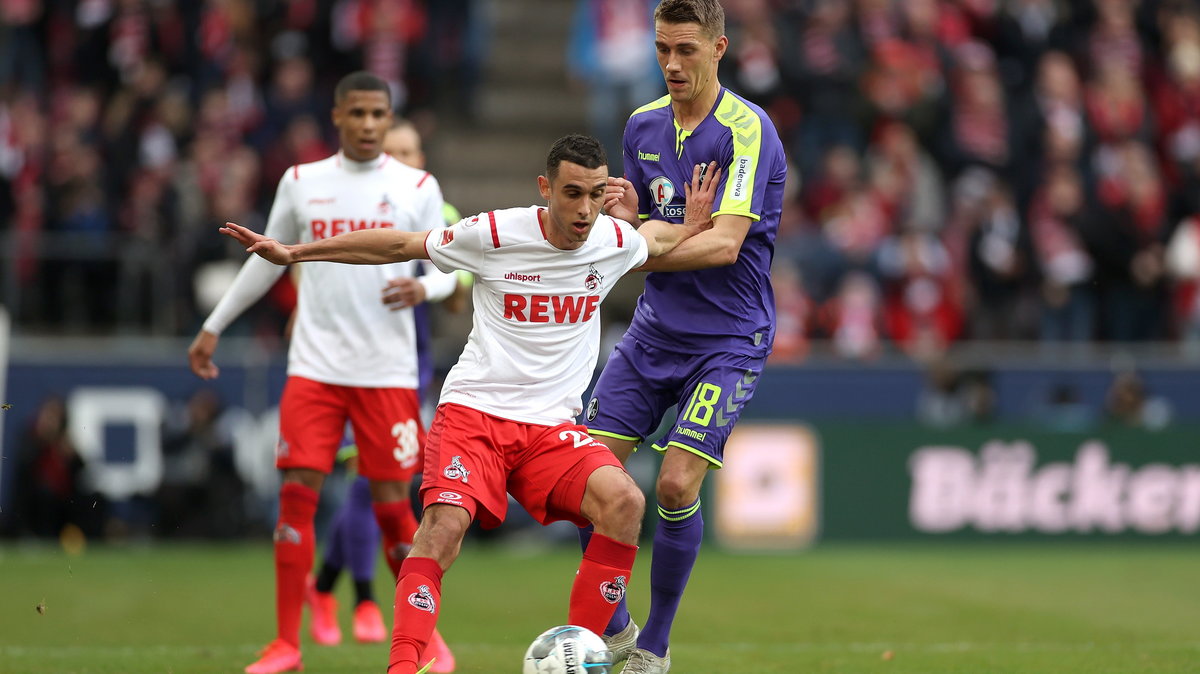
x=675, y=489
x=622, y=507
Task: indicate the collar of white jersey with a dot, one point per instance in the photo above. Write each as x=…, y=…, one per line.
x=357, y=166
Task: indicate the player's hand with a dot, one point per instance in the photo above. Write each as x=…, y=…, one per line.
x=700, y=195
x=200, y=355
x=621, y=200
x=402, y=293
x=269, y=249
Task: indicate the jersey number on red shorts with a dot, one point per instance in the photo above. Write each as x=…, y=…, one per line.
x=580, y=439
x=407, y=446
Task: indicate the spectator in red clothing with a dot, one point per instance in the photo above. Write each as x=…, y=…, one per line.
x=915, y=179
x=1176, y=96
x=383, y=30
x=793, y=312
x=1116, y=105
x=853, y=319
x=922, y=313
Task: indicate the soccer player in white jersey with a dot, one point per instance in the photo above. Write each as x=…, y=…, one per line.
x=351, y=357
x=352, y=537
x=506, y=421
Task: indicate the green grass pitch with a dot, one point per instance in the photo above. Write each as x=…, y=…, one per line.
x=924, y=609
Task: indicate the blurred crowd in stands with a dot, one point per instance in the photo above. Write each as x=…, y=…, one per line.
x=981, y=169
x=964, y=169
x=129, y=128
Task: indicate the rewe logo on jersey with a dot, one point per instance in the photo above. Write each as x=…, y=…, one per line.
x=322, y=229
x=550, y=308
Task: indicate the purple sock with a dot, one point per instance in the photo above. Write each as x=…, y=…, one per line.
x=620, y=617
x=362, y=532
x=676, y=545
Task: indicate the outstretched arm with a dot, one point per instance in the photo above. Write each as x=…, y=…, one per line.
x=367, y=246
x=662, y=237
x=715, y=247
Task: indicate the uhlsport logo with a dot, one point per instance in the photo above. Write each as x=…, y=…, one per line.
x=422, y=599
x=613, y=590
x=592, y=409
x=594, y=278
x=456, y=470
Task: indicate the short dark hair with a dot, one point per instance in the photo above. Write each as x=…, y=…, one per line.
x=577, y=149
x=707, y=13
x=360, y=80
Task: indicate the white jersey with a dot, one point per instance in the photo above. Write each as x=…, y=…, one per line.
x=536, y=333
x=343, y=333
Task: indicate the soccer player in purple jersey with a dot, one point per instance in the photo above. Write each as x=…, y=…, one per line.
x=704, y=325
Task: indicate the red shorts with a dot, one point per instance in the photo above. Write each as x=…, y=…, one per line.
x=472, y=458
x=386, y=424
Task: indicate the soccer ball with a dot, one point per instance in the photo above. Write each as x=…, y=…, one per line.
x=568, y=649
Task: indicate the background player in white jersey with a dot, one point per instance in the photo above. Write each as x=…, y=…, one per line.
x=351, y=357
x=352, y=538
x=506, y=422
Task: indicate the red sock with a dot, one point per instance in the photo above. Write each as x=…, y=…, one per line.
x=398, y=524
x=294, y=547
x=418, y=601
x=600, y=582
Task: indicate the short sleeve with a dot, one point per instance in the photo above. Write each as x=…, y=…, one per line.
x=282, y=224
x=639, y=250
x=459, y=246
x=747, y=168
x=633, y=173
x=430, y=193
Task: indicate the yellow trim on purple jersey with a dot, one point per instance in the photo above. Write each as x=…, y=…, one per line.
x=746, y=129
x=616, y=436
x=693, y=450
x=653, y=105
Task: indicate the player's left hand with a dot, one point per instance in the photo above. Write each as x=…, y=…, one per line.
x=700, y=195
x=269, y=249
x=402, y=293
x=621, y=200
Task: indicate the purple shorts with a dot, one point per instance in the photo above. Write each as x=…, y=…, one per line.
x=641, y=382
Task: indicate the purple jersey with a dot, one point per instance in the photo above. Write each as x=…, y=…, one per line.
x=724, y=308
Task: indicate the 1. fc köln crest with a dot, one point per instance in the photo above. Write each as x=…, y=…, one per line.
x=593, y=279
